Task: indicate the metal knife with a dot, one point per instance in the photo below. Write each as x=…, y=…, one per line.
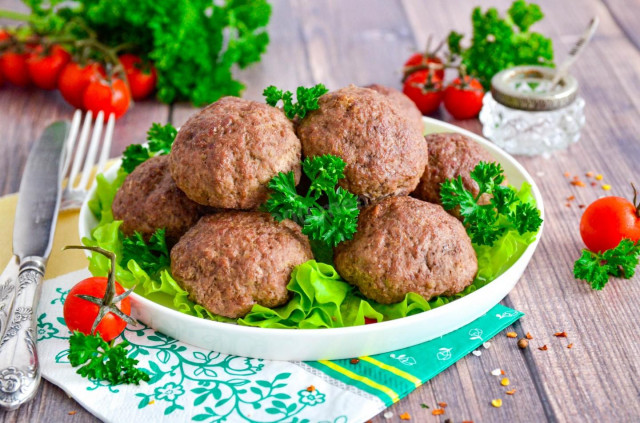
x=20, y=283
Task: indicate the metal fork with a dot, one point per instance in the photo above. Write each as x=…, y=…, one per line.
x=76, y=147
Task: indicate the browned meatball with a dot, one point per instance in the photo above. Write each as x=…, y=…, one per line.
x=384, y=153
x=149, y=200
x=450, y=155
x=404, y=104
x=225, y=155
x=406, y=245
x=232, y=260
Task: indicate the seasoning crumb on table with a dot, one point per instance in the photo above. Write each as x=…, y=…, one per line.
x=71, y=413
x=511, y=392
x=505, y=381
x=543, y=348
x=405, y=416
x=560, y=334
x=523, y=343
x=442, y=404
x=437, y=412
x=512, y=335
x=497, y=403
x=496, y=372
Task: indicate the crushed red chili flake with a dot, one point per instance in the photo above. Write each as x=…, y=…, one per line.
x=467, y=421
x=311, y=388
x=581, y=206
x=562, y=334
x=511, y=392
x=528, y=336
x=355, y=361
x=593, y=184
x=571, y=198
x=512, y=335
x=568, y=205
x=589, y=174
x=442, y=404
x=570, y=346
x=502, y=372
x=405, y=416
x=437, y=412
x=567, y=174
x=71, y=413
x=578, y=183
x=576, y=177
x=447, y=421
x=543, y=348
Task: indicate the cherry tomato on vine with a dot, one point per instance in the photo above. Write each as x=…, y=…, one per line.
x=80, y=314
x=13, y=65
x=110, y=96
x=607, y=221
x=422, y=59
x=44, y=67
x=142, y=76
x=4, y=35
x=463, y=100
x=424, y=87
x=75, y=78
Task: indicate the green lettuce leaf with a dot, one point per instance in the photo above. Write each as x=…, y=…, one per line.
x=320, y=297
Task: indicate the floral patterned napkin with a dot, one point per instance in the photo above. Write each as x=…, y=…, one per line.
x=191, y=384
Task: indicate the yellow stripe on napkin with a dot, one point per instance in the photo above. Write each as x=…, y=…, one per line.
x=394, y=370
x=348, y=373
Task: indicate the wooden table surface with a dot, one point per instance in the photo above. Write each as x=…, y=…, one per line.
x=340, y=42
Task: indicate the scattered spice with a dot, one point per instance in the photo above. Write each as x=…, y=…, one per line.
x=437, y=412
x=477, y=353
x=496, y=372
x=570, y=346
x=423, y=405
x=589, y=174
x=71, y=413
x=405, y=416
x=512, y=335
x=447, y=421
x=576, y=177
x=505, y=381
x=387, y=415
x=543, y=348
x=562, y=334
x=568, y=204
x=599, y=177
x=578, y=183
x=497, y=403
x=511, y=392
x=486, y=345
x=442, y=404
x=355, y=361
x=581, y=206
x=502, y=372
x=593, y=184
x=606, y=187
x=523, y=343
x=567, y=174
x=311, y=388
x=571, y=198
x=528, y=336
x=467, y=421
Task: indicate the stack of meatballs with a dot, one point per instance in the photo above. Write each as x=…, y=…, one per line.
x=230, y=256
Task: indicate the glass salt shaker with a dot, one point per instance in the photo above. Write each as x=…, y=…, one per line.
x=525, y=114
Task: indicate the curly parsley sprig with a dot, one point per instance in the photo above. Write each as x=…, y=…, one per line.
x=151, y=256
x=160, y=141
x=486, y=223
x=596, y=268
x=333, y=223
x=307, y=99
x=101, y=361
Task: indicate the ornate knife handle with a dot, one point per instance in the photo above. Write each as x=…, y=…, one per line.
x=19, y=367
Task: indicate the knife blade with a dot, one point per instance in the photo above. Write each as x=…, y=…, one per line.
x=36, y=217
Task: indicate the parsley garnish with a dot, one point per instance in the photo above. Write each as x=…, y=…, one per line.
x=501, y=42
x=103, y=361
x=596, y=268
x=151, y=256
x=160, y=141
x=486, y=223
x=307, y=99
x=333, y=223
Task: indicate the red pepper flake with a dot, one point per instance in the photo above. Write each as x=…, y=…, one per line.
x=355, y=361
x=589, y=174
x=511, y=392
x=528, y=336
x=311, y=388
x=571, y=198
x=442, y=404
x=502, y=372
x=578, y=183
x=405, y=416
x=568, y=205
x=570, y=346
x=71, y=413
x=467, y=421
x=437, y=412
x=593, y=184
x=576, y=177
x=567, y=174
x=512, y=335
x=543, y=348
x=582, y=206
x=560, y=334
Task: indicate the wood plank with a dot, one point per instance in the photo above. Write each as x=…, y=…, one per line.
x=627, y=16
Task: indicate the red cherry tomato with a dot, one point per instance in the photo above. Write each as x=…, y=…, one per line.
x=44, y=69
x=142, y=76
x=74, y=79
x=79, y=314
x=4, y=35
x=420, y=59
x=13, y=66
x=607, y=221
x=425, y=89
x=369, y=321
x=464, y=100
x=109, y=96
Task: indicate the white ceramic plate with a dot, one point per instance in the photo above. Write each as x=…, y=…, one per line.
x=316, y=344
